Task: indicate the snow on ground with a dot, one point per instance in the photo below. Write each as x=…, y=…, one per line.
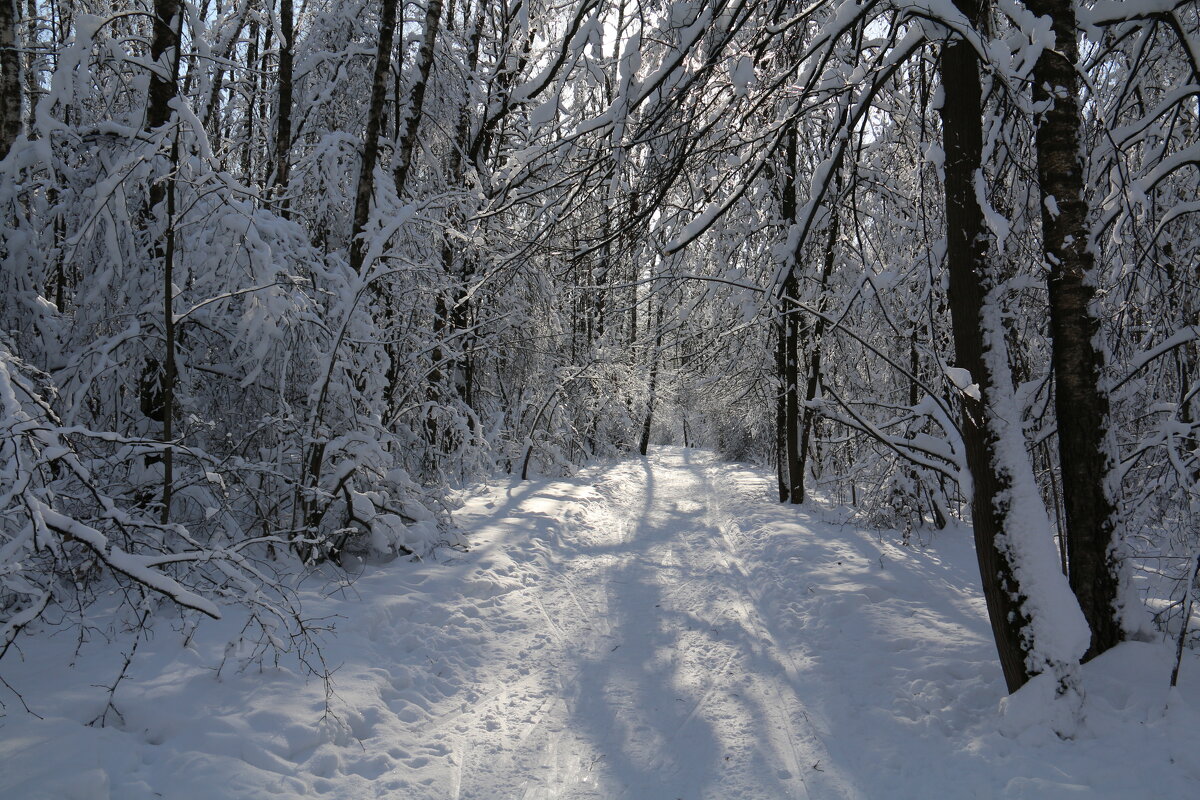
x=651, y=629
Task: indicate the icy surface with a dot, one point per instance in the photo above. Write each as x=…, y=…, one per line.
x=655, y=628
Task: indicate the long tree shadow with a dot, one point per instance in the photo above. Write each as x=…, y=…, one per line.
x=646, y=698
x=901, y=605
x=659, y=677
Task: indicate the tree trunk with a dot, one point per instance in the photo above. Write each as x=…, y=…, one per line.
x=1082, y=409
x=365, y=194
x=808, y=413
x=364, y=197
x=33, y=66
x=165, y=42
x=416, y=96
x=791, y=388
x=966, y=263
x=655, y=358
x=781, y=463
x=454, y=311
x=262, y=172
x=212, y=116
x=10, y=77
x=283, y=115
x=452, y=306
x=792, y=471
x=251, y=100
x=158, y=380
x=170, y=368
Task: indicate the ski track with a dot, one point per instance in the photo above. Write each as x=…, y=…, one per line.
x=647, y=666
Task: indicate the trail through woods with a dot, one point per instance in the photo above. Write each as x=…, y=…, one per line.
x=289, y=292
x=652, y=668
x=652, y=628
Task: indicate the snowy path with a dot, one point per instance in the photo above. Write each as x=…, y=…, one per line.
x=653, y=629
x=650, y=669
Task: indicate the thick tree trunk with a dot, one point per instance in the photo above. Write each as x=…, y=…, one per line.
x=781, y=464
x=634, y=207
x=1082, y=406
x=966, y=263
x=283, y=115
x=791, y=391
x=10, y=77
x=163, y=83
x=170, y=367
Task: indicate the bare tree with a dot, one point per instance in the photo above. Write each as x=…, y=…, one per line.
x=791, y=469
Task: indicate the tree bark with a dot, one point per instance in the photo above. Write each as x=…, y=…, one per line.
x=170, y=367
x=792, y=472
x=168, y=24
x=966, y=264
x=808, y=416
x=655, y=358
x=165, y=42
x=10, y=78
x=251, y=93
x=158, y=380
x=365, y=193
x=416, y=96
x=781, y=464
x=283, y=115
x=791, y=390
x=1082, y=408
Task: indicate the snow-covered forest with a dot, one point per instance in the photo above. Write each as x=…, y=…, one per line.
x=297, y=295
